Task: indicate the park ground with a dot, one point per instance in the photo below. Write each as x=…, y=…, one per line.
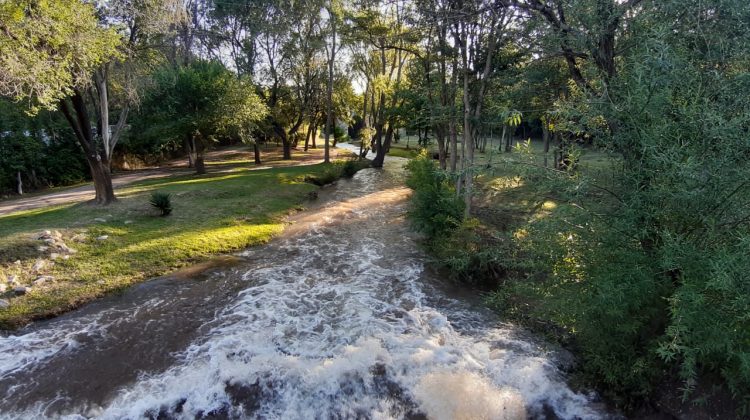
x=57, y=251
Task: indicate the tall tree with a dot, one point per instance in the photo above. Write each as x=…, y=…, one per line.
x=48, y=54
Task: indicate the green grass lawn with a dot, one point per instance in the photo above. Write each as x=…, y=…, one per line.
x=212, y=214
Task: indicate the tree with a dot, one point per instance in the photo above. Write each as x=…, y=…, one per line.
x=197, y=103
x=48, y=53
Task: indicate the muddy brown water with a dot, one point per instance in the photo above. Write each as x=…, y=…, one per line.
x=337, y=318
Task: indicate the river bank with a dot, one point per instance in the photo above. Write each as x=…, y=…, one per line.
x=337, y=317
x=54, y=259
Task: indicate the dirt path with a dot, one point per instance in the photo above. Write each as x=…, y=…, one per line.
x=220, y=160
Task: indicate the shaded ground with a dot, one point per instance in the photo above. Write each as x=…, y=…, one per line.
x=220, y=160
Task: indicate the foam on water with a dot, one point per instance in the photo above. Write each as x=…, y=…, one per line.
x=341, y=320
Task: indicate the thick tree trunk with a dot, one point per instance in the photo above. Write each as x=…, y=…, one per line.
x=200, y=165
x=200, y=148
x=79, y=121
x=190, y=149
x=102, y=181
x=256, y=152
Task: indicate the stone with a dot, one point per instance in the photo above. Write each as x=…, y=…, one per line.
x=65, y=257
x=41, y=280
x=38, y=265
x=12, y=280
x=20, y=290
x=4, y=304
x=57, y=234
x=17, y=262
x=102, y=238
x=127, y=222
x=42, y=248
x=54, y=256
x=3, y=287
x=100, y=220
x=79, y=237
x=45, y=234
x=50, y=241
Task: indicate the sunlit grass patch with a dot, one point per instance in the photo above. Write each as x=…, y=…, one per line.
x=212, y=214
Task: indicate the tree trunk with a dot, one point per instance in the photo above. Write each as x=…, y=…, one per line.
x=102, y=181
x=190, y=149
x=454, y=145
x=20, y=183
x=468, y=141
x=440, y=134
x=329, y=88
x=79, y=121
x=308, y=136
x=256, y=152
x=508, y=139
x=200, y=166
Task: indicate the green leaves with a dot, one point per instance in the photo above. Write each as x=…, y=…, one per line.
x=49, y=47
x=203, y=99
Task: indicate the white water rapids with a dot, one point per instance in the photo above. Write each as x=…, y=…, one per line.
x=339, y=318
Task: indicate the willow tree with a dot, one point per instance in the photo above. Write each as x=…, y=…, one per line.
x=48, y=54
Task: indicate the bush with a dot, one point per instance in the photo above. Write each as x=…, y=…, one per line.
x=349, y=168
x=435, y=209
x=162, y=201
x=339, y=134
x=336, y=170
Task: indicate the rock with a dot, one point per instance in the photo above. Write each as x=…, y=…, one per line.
x=100, y=220
x=42, y=248
x=21, y=290
x=65, y=257
x=66, y=249
x=45, y=234
x=4, y=304
x=127, y=222
x=102, y=238
x=12, y=280
x=42, y=279
x=54, y=256
x=57, y=234
x=39, y=265
x=3, y=287
x=17, y=262
x=50, y=241
x=79, y=237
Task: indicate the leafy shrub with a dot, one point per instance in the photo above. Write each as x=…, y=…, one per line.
x=339, y=134
x=349, y=168
x=162, y=201
x=435, y=209
x=338, y=169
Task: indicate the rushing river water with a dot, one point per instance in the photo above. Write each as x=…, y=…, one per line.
x=339, y=318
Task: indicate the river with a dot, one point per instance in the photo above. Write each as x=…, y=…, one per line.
x=338, y=318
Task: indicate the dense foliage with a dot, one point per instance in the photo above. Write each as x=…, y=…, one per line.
x=435, y=209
